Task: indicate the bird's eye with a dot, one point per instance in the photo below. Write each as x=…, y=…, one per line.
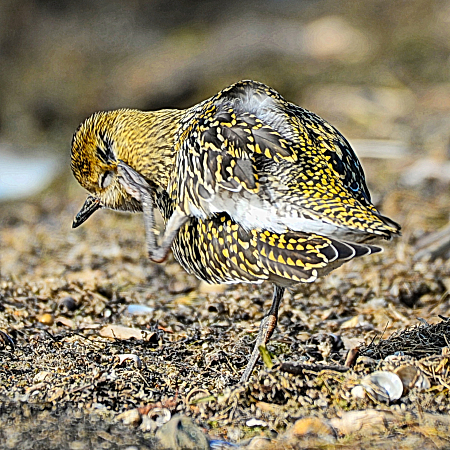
x=105, y=179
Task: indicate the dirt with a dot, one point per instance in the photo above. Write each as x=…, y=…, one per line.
x=64, y=291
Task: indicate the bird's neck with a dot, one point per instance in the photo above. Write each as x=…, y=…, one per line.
x=148, y=145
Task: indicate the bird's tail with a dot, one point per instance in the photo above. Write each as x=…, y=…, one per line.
x=302, y=257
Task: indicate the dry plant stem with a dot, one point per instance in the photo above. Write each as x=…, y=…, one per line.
x=266, y=328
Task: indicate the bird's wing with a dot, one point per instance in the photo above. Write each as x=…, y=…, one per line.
x=217, y=152
x=332, y=148
x=248, y=139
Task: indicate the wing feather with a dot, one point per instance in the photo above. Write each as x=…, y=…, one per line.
x=248, y=149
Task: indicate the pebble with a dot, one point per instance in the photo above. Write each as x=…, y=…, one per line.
x=311, y=426
x=139, y=310
x=131, y=417
x=181, y=433
x=68, y=303
x=256, y=423
x=46, y=319
x=122, y=332
x=41, y=376
x=258, y=443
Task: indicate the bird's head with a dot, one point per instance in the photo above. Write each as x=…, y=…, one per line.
x=97, y=147
x=107, y=140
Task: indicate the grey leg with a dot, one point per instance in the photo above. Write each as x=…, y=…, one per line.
x=266, y=328
x=137, y=186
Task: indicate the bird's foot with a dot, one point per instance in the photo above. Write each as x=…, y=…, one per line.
x=133, y=182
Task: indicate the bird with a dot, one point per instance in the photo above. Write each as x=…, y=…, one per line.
x=252, y=188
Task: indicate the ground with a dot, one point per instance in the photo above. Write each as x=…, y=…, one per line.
x=103, y=347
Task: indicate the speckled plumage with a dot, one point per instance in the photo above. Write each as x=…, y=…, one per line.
x=251, y=187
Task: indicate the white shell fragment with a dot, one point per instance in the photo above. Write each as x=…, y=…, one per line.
x=358, y=392
x=139, y=310
x=391, y=383
x=160, y=415
x=256, y=423
x=383, y=386
x=130, y=356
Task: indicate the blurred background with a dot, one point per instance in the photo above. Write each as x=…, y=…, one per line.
x=377, y=69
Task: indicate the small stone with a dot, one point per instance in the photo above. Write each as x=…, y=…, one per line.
x=131, y=417
x=258, y=443
x=139, y=310
x=68, y=303
x=352, y=323
x=358, y=392
x=122, y=332
x=46, y=319
x=181, y=433
x=311, y=426
x=41, y=376
x=77, y=445
x=65, y=321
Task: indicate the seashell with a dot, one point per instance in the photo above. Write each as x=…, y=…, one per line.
x=398, y=357
x=384, y=386
x=408, y=375
x=160, y=415
x=423, y=383
x=130, y=356
x=390, y=382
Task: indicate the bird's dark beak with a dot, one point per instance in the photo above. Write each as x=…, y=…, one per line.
x=89, y=207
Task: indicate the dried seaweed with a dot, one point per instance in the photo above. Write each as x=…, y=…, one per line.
x=417, y=341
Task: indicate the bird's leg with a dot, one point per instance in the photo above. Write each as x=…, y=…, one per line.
x=266, y=328
x=176, y=221
x=137, y=186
